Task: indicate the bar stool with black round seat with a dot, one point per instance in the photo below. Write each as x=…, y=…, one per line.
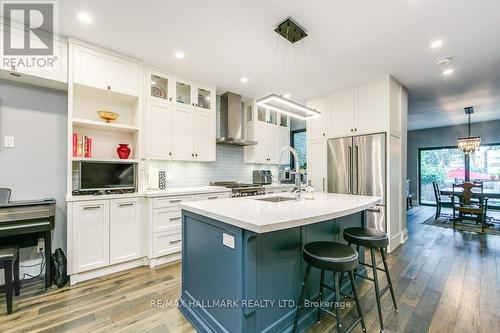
x=374, y=240
x=9, y=261
x=337, y=258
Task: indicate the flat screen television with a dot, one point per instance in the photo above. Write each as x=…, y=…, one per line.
x=105, y=176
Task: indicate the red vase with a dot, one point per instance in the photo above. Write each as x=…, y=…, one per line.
x=123, y=151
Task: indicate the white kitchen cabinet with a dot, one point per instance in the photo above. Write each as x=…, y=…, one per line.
x=203, y=97
x=204, y=135
x=283, y=141
x=370, y=102
x=183, y=133
x=269, y=139
x=167, y=242
x=161, y=87
x=103, y=70
x=318, y=127
x=166, y=219
x=124, y=230
x=317, y=164
x=54, y=70
x=159, y=130
x=342, y=114
x=90, y=236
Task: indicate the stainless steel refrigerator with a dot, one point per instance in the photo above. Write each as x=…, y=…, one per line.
x=357, y=165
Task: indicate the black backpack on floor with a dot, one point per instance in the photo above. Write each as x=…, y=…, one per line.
x=58, y=268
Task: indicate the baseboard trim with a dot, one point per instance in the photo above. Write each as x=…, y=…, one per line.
x=95, y=273
x=404, y=235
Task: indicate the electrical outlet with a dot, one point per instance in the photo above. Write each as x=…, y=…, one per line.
x=41, y=244
x=8, y=142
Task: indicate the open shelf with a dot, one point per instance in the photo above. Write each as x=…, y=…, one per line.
x=111, y=160
x=95, y=124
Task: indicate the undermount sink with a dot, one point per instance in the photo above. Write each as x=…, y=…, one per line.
x=276, y=199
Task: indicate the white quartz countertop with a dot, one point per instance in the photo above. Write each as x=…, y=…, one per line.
x=186, y=191
x=153, y=193
x=262, y=216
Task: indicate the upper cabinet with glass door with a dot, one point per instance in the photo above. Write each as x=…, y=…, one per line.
x=160, y=87
x=183, y=91
x=204, y=97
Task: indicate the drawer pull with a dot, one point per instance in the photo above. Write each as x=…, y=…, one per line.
x=124, y=204
x=211, y=198
x=174, y=201
x=175, y=218
x=92, y=207
x=175, y=241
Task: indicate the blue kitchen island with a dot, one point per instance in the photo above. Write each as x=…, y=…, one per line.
x=242, y=266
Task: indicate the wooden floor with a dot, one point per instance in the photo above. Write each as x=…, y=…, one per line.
x=445, y=281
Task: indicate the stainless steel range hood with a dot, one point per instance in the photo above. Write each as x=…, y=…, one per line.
x=231, y=124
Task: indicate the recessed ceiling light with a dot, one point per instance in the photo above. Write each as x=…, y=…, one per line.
x=179, y=55
x=448, y=71
x=244, y=79
x=286, y=95
x=443, y=61
x=437, y=43
x=85, y=18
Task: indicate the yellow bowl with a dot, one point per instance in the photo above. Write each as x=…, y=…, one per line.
x=108, y=116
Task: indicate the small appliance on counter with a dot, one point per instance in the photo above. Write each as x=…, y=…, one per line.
x=262, y=177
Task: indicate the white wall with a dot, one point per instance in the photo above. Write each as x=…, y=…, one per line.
x=36, y=167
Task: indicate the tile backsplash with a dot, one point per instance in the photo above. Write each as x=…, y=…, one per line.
x=229, y=166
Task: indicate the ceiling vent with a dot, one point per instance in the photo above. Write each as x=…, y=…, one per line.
x=291, y=31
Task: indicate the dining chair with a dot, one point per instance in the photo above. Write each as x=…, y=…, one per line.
x=438, y=198
x=466, y=205
x=5, y=195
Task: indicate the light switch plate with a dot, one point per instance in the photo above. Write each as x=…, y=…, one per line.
x=8, y=141
x=228, y=240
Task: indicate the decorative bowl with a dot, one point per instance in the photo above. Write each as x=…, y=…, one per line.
x=108, y=116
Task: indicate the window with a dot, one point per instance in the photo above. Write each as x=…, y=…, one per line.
x=299, y=142
x=448, y=165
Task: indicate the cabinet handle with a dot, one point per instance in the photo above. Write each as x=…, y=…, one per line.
x=323, y=183
x=126, y=204
x=109, y=87
x=92, y=207
x=192, y=104
x=170, y=98
x=175, y=242
x=196, y=155
x=374, y=210
x=174, y=201
x=192, y=154
x=355, y=130
x=175, y=218
x=170, y=153
x=211, y=198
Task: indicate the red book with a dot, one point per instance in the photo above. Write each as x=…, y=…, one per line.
x=75, y=144
x=88, y=147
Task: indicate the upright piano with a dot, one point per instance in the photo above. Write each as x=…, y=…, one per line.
x=23, y=222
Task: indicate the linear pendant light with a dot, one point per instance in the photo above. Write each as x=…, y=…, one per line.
x=285, y=106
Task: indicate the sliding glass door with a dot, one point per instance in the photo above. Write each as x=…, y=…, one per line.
x=447, y=165
x=442, y=165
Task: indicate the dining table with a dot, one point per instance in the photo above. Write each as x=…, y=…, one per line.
x=486, y=193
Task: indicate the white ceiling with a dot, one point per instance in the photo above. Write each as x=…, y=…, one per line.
x=349, y=42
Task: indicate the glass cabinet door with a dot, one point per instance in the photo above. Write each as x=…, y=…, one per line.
x=249, y=113
x=273, y=117
x=283, y=120
x=261, y=114
x=183, y=93
x=159, y=87
x=204, y=98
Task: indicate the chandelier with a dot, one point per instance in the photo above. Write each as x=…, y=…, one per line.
x=470, y=144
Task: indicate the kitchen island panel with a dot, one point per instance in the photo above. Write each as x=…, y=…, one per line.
x=266, y=269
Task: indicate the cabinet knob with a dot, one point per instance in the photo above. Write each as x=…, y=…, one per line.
x=196, y=155
x=109, y=87
x=170, y=153
x=170, y=98
x=355, y=130
x=192, y=154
